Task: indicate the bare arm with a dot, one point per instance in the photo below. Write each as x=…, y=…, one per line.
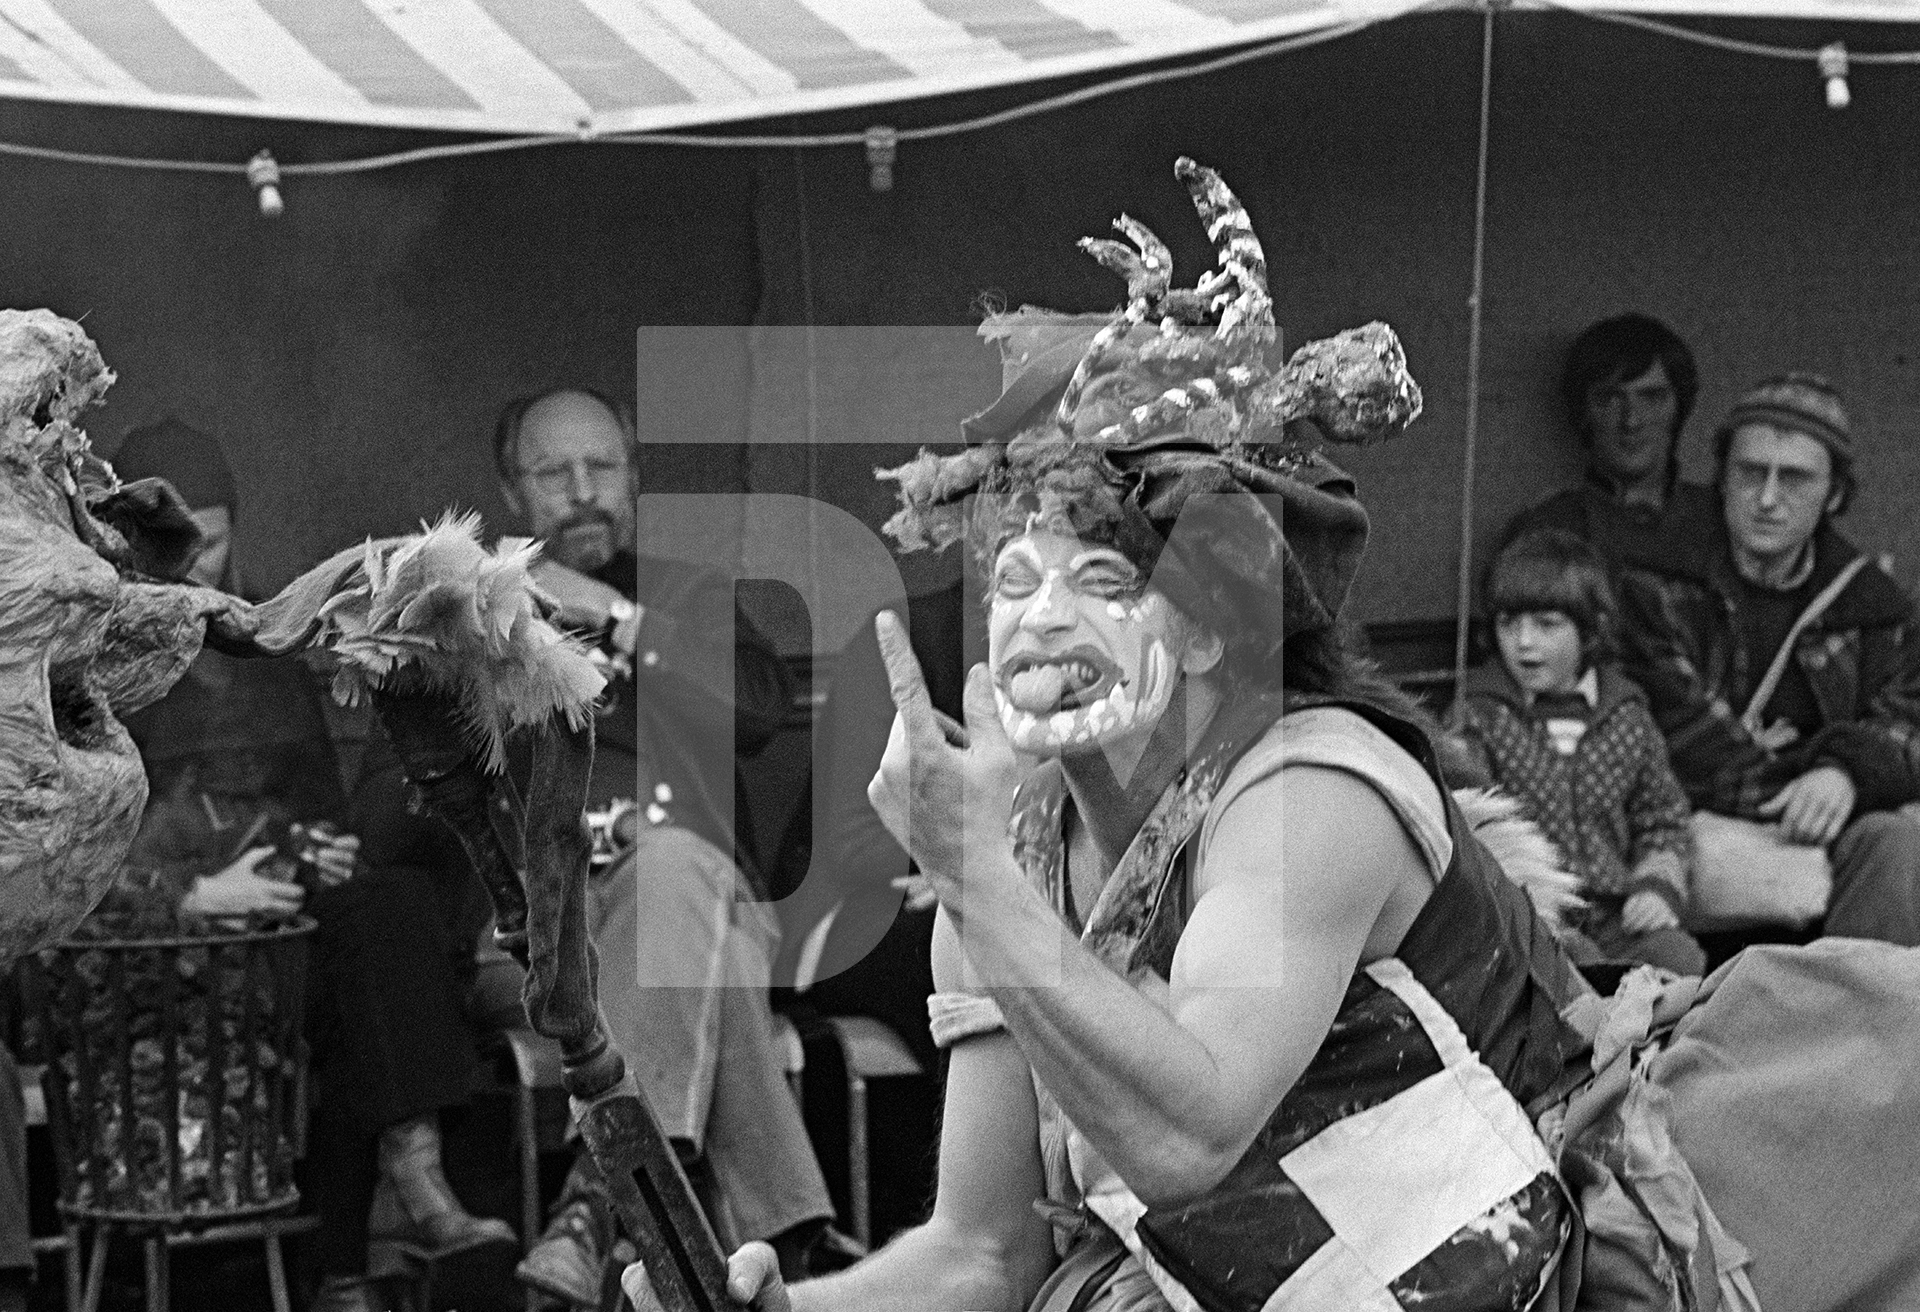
x=985, y=1249
x=1172, y=1095
x=1169, y=1093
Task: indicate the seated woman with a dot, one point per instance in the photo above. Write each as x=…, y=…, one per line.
x=1226, y=980
x=236, y=753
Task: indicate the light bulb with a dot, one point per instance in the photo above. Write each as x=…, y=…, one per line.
x=883, y=144
x=1833, y=67
x=263, y=172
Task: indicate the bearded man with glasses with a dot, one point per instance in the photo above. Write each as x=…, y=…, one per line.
x=684, y=934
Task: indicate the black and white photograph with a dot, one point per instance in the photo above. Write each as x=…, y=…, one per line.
x=960, y=656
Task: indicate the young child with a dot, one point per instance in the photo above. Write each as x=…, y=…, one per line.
x=1557, y=725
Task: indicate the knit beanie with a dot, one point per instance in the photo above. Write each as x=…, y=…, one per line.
x=186, y=457
x=1804, y=403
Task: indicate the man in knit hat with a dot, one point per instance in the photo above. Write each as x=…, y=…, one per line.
x=1787, y=682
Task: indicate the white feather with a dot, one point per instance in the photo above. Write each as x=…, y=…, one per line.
x=1524, y=853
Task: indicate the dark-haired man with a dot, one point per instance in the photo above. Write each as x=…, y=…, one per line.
x=684, y=941
x=1628, y=385
x=1787, y=682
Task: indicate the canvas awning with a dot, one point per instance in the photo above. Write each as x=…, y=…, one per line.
x=608, y=66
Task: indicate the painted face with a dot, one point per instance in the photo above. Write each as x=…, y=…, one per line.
x=576, y=483
x=1541, y=649
x=1630, y=425
x=1775, y=487
x=1082, y=653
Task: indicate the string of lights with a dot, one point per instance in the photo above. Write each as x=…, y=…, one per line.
x=1833, y=63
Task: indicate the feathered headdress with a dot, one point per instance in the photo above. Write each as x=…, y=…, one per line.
x=1128, y=416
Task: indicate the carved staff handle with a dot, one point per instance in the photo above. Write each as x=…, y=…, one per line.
x=533, y=860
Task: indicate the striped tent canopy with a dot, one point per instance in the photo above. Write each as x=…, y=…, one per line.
x=606, y=66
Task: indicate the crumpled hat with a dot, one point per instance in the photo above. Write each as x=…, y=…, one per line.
x=1171, y=415
x=185, y=456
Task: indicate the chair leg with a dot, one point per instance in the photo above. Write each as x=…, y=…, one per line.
x=529, y=1133
x=70, y=1261
x=858, y=1184
x=158, y=1285
x=525, y=1113
x=276, y=1270
x=96, y=1269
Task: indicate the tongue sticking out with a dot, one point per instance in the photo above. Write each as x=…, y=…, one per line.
x=1038, y=690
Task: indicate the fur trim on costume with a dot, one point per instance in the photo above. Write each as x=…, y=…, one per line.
x=469, y=621
x=1525, y=854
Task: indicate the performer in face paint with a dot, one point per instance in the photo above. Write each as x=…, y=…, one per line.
x=1214, y=941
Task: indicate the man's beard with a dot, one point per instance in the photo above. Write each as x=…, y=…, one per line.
x=574, y=543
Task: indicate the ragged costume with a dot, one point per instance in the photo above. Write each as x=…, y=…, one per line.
x=1480, y=1128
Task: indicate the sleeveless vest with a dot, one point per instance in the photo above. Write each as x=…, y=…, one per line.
x=1402, y=1169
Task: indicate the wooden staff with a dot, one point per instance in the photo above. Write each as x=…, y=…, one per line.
x=533, y=855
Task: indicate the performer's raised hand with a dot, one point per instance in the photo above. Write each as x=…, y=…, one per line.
x=942, y=789
x=753, y=1281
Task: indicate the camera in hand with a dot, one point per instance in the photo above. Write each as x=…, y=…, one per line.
x=299, y=845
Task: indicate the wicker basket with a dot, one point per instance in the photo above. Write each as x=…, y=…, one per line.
x=175, y=1072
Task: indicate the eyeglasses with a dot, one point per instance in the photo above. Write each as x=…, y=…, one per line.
x=557, y=478
x=1789, y=484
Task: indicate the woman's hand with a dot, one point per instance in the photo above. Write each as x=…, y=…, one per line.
x=753, y=1281
x=240, y=890
x=943, y=791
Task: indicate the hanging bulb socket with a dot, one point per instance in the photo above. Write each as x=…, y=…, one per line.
x=883, y=145
x=1833, y=68
x=263, y=172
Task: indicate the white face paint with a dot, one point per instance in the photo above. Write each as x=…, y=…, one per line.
x=1081, y=655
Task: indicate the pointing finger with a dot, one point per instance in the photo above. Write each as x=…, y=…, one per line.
x=904, y=680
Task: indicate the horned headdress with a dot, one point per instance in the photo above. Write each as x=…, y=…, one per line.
x=1130, y=419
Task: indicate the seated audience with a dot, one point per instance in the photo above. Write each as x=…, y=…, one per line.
x=685, y=940
x=235, y=753
x=1561, y=728
x=1787, y=680
x=1628, y=385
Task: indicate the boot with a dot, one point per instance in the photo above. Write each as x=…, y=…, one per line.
x=413, y=1204
x=566, y=1263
